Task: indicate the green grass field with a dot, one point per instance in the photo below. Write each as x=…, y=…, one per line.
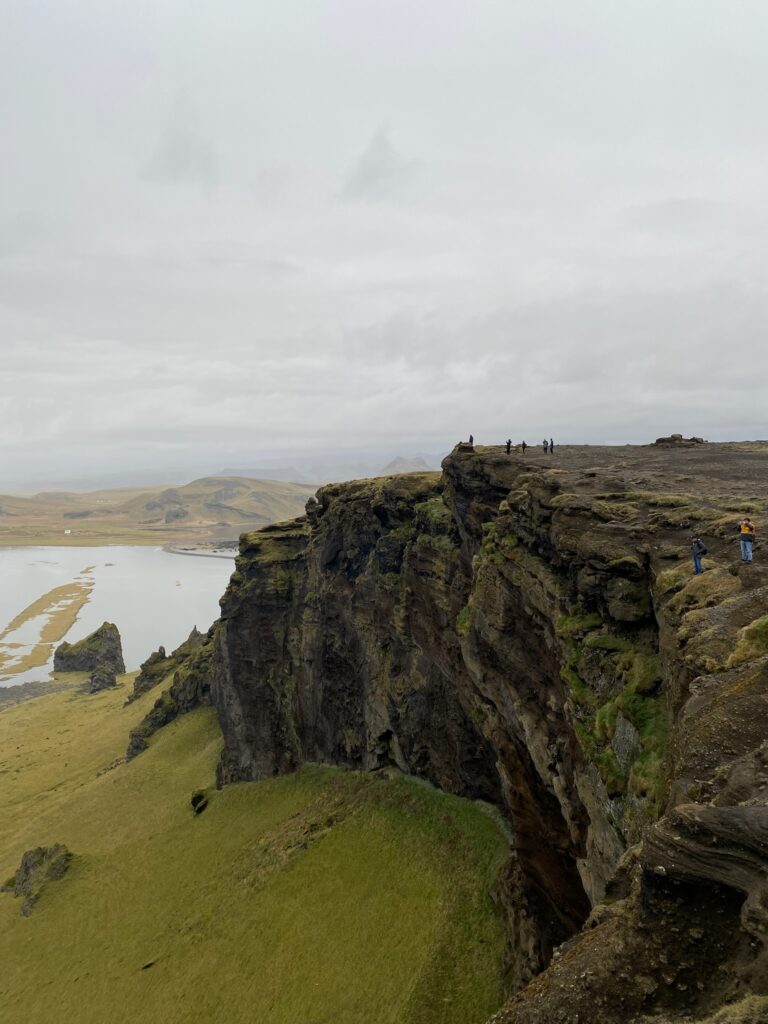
x=325, y=897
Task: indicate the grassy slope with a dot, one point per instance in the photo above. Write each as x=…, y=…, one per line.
x=321, y=898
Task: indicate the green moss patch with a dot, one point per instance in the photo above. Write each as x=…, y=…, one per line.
x=577, y=625
x=435, y=510
x=462, y=621
x=752, y=642
x=607, y=642
x=612, y=511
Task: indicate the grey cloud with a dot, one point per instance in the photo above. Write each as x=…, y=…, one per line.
x=589, y=259
x=25, y=231
x=381, y=172
x=183, y=154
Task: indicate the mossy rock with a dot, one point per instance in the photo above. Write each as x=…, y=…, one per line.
x=462, y=621
x=102, y=648
x=577, y=625
x=607, y=642
x=38, y=866
x=752, y=642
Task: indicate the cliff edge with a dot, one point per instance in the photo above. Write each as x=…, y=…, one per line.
x=528, y=631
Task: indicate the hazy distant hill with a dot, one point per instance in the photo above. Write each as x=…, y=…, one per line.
x=212, y=508
x=404, y=465
x=230, y=500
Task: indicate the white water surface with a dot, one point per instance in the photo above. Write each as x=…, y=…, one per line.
x=154, y=597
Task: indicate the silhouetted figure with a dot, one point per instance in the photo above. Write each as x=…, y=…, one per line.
x=545, y=445
x=551, y=446
x=509, y=445
x=471, y=439
x=524, y=445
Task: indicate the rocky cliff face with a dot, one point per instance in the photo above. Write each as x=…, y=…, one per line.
x=526, y=633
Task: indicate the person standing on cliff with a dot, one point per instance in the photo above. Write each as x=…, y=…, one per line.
x=471, y=439
x=697, y=550
x=551, y=446
x=545, y=445
x=509, y=445
x=524, y=445
x=747, y=538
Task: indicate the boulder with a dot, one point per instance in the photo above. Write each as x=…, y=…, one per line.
x=102, y=678
x=678, y=441
x=38, y=866
x=101, y=649
x=199, y=801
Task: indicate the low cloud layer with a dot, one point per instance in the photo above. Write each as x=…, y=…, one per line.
x=225, y=235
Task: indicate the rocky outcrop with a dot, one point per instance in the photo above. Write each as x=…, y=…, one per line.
x=102, y=678
x=38, y=866
x=678, y=441
x=160, y=665
x=191, y=664
x=102, y=649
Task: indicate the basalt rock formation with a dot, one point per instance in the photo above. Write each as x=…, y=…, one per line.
x=190, y=687
x=101, y=649
x=159, y=665
x=527, y=630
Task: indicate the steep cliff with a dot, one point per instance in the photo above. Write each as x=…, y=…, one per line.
x=524, y=632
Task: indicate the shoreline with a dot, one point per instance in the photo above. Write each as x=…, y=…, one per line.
x=171, y=549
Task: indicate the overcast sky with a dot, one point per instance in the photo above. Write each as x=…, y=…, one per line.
x=253, y=226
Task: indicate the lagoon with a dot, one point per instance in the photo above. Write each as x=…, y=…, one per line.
x=153, y=596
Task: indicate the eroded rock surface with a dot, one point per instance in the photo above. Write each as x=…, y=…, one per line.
x=190, y=687
x=102, y=678
x=527, y=630
x=159, y=665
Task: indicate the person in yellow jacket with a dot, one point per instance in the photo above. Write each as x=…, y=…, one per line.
x=747, y=538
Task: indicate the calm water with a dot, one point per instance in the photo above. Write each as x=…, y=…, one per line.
x=153, y=597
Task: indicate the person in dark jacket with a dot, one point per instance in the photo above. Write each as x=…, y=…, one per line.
x=551, y=446
x=509, y=445
x=697, y=550
x=545, y=445
x=524, y=445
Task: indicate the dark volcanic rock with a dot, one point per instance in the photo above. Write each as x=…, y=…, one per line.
x=38, y=866
x=190, y=688
x=101, y=649
x=102, y=678
x=160, y=665
x=517, y=631
x=199, y=801
x=678, y=441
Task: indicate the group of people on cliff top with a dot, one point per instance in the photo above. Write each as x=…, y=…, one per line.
x=747, y=534
x=546, y=445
